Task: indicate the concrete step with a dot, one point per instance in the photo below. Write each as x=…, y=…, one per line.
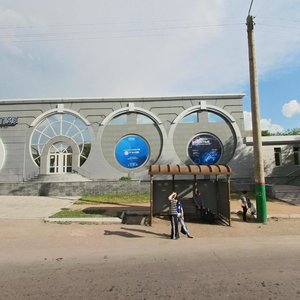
x=287, y=188
x=68, y=177
x=288, y=193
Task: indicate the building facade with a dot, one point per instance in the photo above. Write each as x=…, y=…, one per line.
x=110, y=138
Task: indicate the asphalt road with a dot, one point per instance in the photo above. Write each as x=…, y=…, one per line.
x=51, y=261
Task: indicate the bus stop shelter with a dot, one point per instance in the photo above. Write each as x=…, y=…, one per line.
x=213, y=181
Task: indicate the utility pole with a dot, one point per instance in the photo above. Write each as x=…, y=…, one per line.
x=260, y=187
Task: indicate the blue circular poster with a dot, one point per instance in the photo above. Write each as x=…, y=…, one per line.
x=132, y=151
x=205, y=149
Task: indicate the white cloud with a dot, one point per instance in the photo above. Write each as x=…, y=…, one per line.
x=10, y=21
x=291, y=108
x=144, y=48
x=247, y=120
x=265, y=124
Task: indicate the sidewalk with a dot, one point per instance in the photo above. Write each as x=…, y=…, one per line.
x=29, y=207
x=32, y=207
x=275, y=209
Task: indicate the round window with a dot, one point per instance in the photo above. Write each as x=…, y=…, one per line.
x=132, y=151
x=205, y=149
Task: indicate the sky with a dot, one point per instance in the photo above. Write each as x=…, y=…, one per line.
x=143, y=48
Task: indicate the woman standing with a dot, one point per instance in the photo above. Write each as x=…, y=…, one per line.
x=173, y=215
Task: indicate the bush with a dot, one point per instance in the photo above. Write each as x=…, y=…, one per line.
x=125, y=178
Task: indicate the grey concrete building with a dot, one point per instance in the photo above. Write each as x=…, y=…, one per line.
x=110, y=138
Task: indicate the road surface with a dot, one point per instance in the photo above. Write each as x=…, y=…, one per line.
x=55, y=261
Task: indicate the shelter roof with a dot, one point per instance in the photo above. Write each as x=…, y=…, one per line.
x=189, y=170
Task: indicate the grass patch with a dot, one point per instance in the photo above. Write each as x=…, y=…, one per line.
x=125, y=178
x=67, y=213
x=251, y=195
x=115, y=198
x=140, y=198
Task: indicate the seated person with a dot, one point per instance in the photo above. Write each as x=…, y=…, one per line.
x=198, y=200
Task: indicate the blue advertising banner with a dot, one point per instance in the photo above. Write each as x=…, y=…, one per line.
x=132, y=151
x=205, y=149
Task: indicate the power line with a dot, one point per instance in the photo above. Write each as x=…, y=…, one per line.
x=107, y=33
x=155, y=28
x=250, y=8
x=279, y=26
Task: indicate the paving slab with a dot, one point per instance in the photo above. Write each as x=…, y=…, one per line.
x=32, y=207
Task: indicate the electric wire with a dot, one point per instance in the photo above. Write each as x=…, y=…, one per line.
x=108, y=33
x=250, y=8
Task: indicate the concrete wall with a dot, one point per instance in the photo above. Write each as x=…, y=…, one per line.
x=119, y=187
x=73, y=188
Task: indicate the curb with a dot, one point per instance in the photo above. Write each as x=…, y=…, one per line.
x=276, y=216
x=108, y=221
x=284, y=216
x=84, y=220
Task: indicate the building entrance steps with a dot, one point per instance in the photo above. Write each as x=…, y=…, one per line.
x=288, y=193
x=67, y=177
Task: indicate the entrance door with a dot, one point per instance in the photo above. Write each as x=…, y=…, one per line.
x=60, y=158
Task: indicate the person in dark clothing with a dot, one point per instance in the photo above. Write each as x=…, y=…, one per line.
x=173, y=215
x=198, y=201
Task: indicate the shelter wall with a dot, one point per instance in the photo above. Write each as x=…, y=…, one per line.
x=215, y=195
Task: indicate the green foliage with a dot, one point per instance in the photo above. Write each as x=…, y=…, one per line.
x=67, y=213
x=294, y=131
x=265, y=133
x=125, y=178
x=115, y=198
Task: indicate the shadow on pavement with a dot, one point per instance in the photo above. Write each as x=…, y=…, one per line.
x=127, y=234
x=163, y=235
x=121, y=233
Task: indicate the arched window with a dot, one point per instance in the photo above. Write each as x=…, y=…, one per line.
x=66, y=125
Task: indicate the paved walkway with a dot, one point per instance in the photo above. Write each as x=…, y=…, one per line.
x=34, y=207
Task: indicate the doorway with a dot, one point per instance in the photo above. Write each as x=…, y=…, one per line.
x=60, y=158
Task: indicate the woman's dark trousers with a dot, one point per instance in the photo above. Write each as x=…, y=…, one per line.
x=174, y=227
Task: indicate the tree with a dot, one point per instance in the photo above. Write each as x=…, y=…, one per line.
x=265, y=133
x=294, y=131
